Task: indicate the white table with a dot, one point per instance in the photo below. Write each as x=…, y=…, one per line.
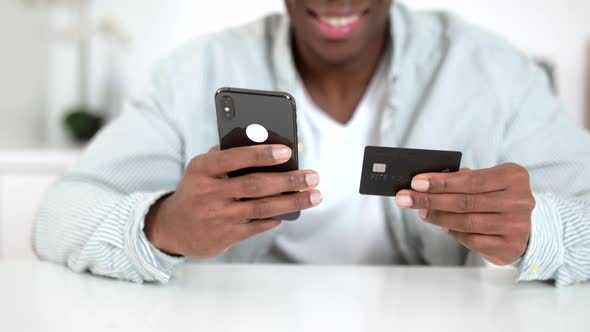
x=42, y=297
x=26, y=172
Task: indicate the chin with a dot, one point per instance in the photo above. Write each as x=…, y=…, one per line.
x=338, y=55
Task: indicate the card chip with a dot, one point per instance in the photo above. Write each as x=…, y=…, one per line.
x=379, y=168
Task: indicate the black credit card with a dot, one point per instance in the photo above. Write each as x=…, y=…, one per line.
x=386, y=171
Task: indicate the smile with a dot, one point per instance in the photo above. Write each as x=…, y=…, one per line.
x=337, y=27
x=339, y=22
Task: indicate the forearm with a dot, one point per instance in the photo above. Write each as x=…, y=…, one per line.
x=91, y=227
x=559, y=246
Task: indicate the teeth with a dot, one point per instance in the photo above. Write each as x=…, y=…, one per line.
x=339, y=22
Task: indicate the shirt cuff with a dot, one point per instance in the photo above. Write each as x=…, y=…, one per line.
x=544, y=254
x=152, y=264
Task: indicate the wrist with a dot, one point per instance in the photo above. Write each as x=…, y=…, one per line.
x=155, y=226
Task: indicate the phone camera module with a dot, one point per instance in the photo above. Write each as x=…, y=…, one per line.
x=228, y=108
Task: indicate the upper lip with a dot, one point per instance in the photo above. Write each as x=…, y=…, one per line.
x=337, y=13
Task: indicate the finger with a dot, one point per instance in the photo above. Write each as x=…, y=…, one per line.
x=269, y=207
x=477, y=223
x=267, y=184
x=215, y=149
x=219, y=163
x=458, y=203
x=255, y=227
x=491, y=245
x=467, y=181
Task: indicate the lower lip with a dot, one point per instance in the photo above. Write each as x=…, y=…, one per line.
x=339, y=33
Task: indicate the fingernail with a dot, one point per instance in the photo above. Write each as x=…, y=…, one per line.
x=281, y=154
x=315, y=198
x=423, y=214
x=420, y=185
x=404, y=201
x=312, y=179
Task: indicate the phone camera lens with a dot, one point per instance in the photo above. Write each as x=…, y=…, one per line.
x=228, y=108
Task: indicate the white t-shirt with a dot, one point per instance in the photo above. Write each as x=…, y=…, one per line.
x=347, y=228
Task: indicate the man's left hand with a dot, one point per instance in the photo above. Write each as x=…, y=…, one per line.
x=488, y=211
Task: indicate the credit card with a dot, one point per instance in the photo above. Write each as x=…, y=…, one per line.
x=386, y=171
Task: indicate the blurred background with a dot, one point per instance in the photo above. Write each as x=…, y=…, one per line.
x=78, y=59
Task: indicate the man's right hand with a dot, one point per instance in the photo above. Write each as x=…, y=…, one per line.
x=205, y=217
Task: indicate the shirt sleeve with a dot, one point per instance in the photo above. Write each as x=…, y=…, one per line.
x=92, y=219
x=541, y=137
x=559, y=246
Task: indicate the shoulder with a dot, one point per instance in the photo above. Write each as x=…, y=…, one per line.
x=466, y=50
x=241, y=44
x=187, y=78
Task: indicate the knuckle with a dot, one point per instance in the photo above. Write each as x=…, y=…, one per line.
x=439, y=184
x=515, y=167
x=510, y=167
x=467, y=202
x=223, y=160
x=263, y=156
x=295, y=182
x=434, y=217
x=524, y=204
x=302, y=201
x=261, y=210
x=475, y=181
x=528, y=204
x=532, y=203
x=517, y=171
x=424, y=200
x=194, y=165
x=198, y=187
x=471, y=223
x=250, y=185
x=444, y=184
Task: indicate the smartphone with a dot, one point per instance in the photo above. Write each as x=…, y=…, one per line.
x=255, y=117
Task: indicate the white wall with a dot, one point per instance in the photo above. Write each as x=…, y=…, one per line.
x=23, y=72
x=556, y=29
x=156, y=26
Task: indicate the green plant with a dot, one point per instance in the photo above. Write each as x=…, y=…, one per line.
x=82, y=124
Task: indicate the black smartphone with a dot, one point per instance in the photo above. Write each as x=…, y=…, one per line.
x=253, y=117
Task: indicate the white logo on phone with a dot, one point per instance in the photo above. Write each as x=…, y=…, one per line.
x=257, y=133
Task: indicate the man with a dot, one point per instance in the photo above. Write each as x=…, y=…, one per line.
x=150, y=192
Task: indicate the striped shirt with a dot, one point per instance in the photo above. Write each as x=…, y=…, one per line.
x=450, y=87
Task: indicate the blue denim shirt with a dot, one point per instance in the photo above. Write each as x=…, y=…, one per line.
x=451, y=87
